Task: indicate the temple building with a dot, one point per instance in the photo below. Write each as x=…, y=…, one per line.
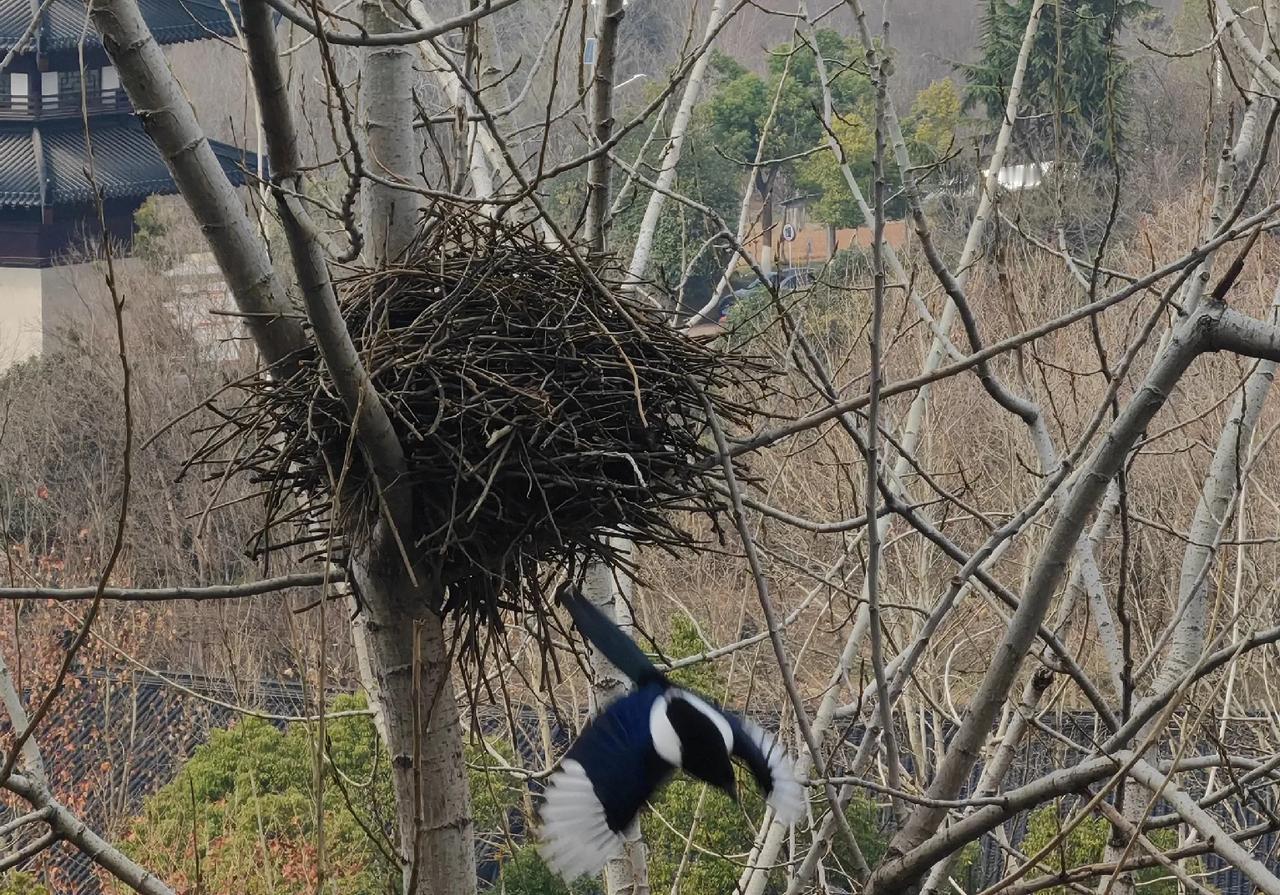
x=59, y=96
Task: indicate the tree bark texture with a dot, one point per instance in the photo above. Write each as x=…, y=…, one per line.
x=170, y=121
x=391, y=152
x=403, y=633
x=599, y=168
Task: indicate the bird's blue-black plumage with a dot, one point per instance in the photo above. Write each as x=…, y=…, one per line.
x=747, y=748
x=617, y=752
x=605, y=636
x=630, y=750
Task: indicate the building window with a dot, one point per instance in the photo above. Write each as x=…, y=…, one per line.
x=62, y=90
x=16, y=91
x=49, y=90
x=110, y=85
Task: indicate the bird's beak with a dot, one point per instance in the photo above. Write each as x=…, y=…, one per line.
x=732, y=791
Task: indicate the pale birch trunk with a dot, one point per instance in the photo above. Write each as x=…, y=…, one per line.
x=598, y=169
x=170, y=121
x=670, y=157
x=418, y=711
x=610, y=590
x=484, y=159
x=404, y=633
x=386, y=98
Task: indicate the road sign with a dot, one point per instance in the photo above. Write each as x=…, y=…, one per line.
x=788, y=232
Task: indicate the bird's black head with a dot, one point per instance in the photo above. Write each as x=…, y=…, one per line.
x=702, y=749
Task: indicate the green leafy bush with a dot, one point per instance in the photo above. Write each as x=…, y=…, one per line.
x=241, y=814
x=710, y=860
x=15, y=882
x=1086, y=843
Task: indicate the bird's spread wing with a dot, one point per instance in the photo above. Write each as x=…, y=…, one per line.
x=608, y=638
x=770, y=764
x=605, y=779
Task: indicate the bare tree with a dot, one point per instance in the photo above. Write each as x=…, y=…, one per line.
x=904, y=569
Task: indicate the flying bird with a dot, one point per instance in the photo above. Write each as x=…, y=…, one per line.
x=636, y=744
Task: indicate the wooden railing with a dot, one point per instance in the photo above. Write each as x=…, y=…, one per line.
x=64, y=104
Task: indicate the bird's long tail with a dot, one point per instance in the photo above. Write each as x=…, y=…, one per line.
x=608, y=638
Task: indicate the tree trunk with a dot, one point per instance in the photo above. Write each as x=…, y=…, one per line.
x=409, y=659
x=386, y=99
x=670, y=157
x=598, y=169
x=404, y=634
x=765, y=186
x=611, y=591
x=607, y=588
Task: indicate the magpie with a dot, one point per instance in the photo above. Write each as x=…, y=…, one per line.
x=632, y=748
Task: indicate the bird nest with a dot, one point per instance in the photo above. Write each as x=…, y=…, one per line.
x=541, y=410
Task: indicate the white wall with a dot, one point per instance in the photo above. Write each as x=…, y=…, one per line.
x=21, y=314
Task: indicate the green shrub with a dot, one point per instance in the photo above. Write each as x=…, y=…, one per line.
x=241, y=814
x=15, y=882
x=1087, y=842
x=722, y=831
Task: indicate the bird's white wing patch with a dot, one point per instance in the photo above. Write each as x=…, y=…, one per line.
x=717, y=718
x=787, y=796
x=576, y=838
x=666, y=742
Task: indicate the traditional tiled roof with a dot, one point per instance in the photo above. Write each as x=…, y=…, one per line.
x=64, y=22
x=45, y=165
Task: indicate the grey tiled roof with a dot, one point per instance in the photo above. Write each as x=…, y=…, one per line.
x=45, y=165
x=19, y=175
x=64, y=22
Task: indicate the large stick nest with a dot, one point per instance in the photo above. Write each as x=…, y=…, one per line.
x=541, y=409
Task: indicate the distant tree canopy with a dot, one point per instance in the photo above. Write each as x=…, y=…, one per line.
x=1076, y=83
x=726, y=133
x=929, y=132
x=741, y=102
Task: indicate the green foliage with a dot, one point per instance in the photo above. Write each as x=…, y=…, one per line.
x=740, y=104
x=935, y=115
x=15, y=882
x=524, y=873
x=1086, y=843
x=929, y=132
x=705, y=176
x=719, y=826
x=820, y=174
x=241, y=816
x=150, y=229
x=797, y=126
x=1076, y=78
x=741, y=101
x=243, y=809
x=725, y=136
